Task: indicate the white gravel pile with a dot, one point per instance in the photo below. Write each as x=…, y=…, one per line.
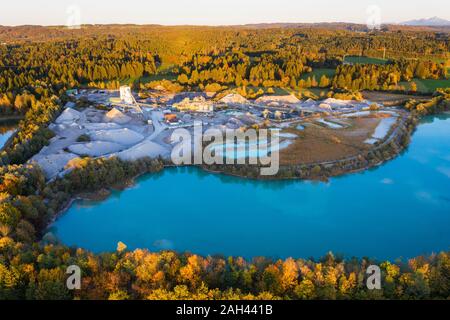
x=308, y=103
x=277, y=99
x=69, y=115
x=345, y=104
x=54, y=163
x=325, y=106
x=101, y=126
x=336, y=103
x=233, y=98
x=125, y=137
x=145, y=149
x=96, y=148
x=117, y=116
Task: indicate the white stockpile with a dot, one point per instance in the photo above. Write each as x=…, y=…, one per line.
x=96, y=148
x=117, y=116
x=124, y=136
x=233, y=98
x=108, y=134
x=145, y=149
x=278, y=99
x=52, y=164
x=68, y=116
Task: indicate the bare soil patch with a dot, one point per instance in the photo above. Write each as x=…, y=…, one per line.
x=319, y=144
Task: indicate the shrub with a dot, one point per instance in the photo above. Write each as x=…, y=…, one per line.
x=84, y=138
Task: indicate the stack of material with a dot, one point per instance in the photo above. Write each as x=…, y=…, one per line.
x=233, y=98
x=145, y=149
x=96, y=148
x=68, y=116
x=289, y=99
x=117, y=116
x=125, y=137
x=54, y=163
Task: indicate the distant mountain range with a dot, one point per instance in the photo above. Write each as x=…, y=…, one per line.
x=431, y=22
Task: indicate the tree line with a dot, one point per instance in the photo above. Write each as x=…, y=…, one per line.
x=33, y=263
x=52, y=60
x=33, y=78
x=386, y=76
x=36, y=269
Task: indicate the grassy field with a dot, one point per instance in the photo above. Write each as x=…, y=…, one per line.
x=165, y=72
x=319, y=144
x=318, y=73
x=314, y=92
x=147, y=79
x=428, y=85
x=158, y=77
x=277, y=91
x=364, y=60
x=391, y=98
x=166, y=68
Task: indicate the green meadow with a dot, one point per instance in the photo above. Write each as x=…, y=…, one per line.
x=428, y=85
x=364, y=60
x=318, y=73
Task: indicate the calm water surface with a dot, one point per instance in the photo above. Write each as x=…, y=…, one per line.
x=401, y=209
x=7, y=129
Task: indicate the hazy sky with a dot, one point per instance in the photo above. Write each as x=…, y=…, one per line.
x=213, y=12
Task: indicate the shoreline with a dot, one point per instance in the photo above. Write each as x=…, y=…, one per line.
x=392, y=143
x=104, y=193
x=11, y=118
x=94, y=196
x=6, y=120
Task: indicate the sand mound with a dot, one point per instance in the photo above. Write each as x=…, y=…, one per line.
x=124, y=137
x=101, y=126
x=54, y=163
x=68, y=115
x=142, y=150
x=325, y=106
x=309, y=103
x=278, y=99
x=233, y=98
x=336, y=103
x=117, y=116
x=70, y=104
x=96, y=148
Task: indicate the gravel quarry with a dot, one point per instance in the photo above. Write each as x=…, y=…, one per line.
x=97, y=133
x=119, y=130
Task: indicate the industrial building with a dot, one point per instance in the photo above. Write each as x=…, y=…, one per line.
x=126, y=96
x=197, y=104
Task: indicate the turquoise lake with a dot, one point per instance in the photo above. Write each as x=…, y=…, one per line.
x=398, y=210
x=7, y=129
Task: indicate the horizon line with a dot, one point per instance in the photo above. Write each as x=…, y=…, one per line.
x=221, y=25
